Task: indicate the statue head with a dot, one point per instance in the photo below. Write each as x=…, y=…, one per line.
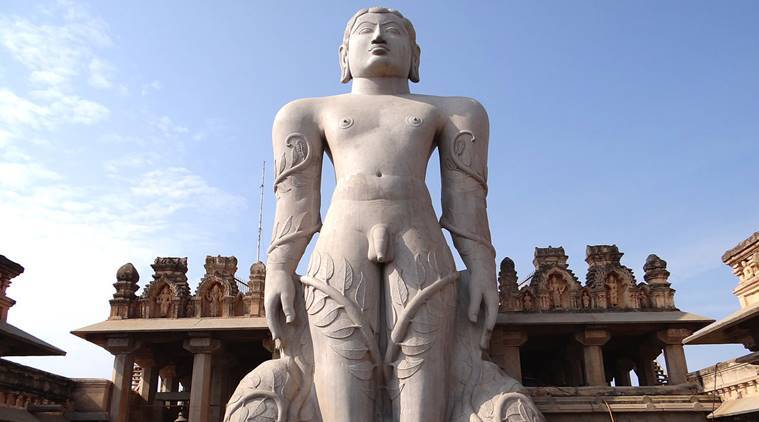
x=379, y=42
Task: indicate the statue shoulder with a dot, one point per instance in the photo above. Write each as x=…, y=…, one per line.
x=463, y=106
x=298, y=112
x=464, y=112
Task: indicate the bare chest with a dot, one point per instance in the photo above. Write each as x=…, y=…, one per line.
x=381, y=127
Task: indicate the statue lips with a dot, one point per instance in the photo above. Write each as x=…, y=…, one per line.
x=379, y=50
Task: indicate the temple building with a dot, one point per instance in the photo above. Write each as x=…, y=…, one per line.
x=31, y=395
x=573, y=344
x=181, y=352
x=736, y=381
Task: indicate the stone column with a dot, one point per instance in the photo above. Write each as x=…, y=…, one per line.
x=622, y=369
x=200, y=390
x=504, y=349
x=123, y=349
x=674, y=355
x=593, y=360
x=644, y=364
x=169, y=382
x=149, y=382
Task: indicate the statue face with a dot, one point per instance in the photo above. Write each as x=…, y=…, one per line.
x=379, y=46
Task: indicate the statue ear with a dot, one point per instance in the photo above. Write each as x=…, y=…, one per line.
x=345, y=72
x=413, y=74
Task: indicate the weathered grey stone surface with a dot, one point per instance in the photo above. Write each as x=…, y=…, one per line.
x=382, y=327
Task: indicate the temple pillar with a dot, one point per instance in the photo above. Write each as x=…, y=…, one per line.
x=221, y=384
x=200, y=391
x=622, y=369
x=674, y=355
x=504, y=350
x=644, y=364
x=592, y=340
x=123, y=349
x=149, y=382
x=169, y=381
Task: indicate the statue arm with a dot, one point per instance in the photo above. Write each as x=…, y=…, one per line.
x=463, y=148
x=298, y=152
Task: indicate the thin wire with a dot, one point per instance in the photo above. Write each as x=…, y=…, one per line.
x=260, y=213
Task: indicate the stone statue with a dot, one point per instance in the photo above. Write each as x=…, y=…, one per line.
x=382, y=327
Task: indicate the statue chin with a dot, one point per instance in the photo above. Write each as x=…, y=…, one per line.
x=282, y=389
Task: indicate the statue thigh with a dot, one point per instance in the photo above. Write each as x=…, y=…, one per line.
x=342, y=304
x=420, y=310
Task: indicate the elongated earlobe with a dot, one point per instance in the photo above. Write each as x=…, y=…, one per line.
x=345, y=72
x=413, y=74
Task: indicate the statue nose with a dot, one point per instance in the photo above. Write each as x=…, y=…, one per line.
x=377, y=39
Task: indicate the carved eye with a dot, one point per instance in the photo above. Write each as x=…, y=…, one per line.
x=393, y=30
x=365, y=30
x=345, y=123
x=414, y=121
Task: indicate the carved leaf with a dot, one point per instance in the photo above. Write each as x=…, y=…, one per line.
x=274, y=233
x=421, y=273
x=318, y=304
x=349, y=351
x=410, y=349
x=400, y=292
x=255, y=380
x=459, y=146
x=434, y=269
x=391, y=318
x=362, y=370
x=308, y=296
x=330, y=315
x=408, y=367
x=359, y=295
x=317, y=261
x=282, y=164
x=329, y=268
x=256, y=408
x=300, y=150
x=423, y=327
x=340, y=329
x=288, y=226
x=299, y=221
x=348, y=279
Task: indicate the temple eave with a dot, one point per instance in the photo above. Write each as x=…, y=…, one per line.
x=726, y=330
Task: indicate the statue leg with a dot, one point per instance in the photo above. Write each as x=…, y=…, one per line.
x=342, y=301
x=420, y=300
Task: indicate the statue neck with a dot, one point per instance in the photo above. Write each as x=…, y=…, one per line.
x=380, y=86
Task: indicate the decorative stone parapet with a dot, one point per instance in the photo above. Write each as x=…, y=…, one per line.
x=744, y=261
x=609, y=285
x=219, y=292
x=8, y=271
x=22, y=386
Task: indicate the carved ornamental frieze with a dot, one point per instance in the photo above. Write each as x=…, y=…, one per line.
x=609, y=285
x=218, y=294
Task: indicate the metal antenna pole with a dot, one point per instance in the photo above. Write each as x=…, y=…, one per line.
x=260, y=213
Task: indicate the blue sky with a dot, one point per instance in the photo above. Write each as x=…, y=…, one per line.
x=134, y=131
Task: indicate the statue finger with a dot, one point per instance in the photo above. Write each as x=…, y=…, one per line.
x=474, y=305
x=491, y=313
x=485, y=339
x=272, y=305
x=288, y=307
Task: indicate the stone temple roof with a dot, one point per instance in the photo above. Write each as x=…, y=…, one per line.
x=740, y=247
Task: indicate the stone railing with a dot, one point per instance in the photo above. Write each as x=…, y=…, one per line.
x=24, y=387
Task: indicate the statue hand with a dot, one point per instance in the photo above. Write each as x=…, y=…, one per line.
x=483, y=289
x=279, y=293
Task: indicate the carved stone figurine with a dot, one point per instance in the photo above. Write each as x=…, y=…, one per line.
x=382, y=327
